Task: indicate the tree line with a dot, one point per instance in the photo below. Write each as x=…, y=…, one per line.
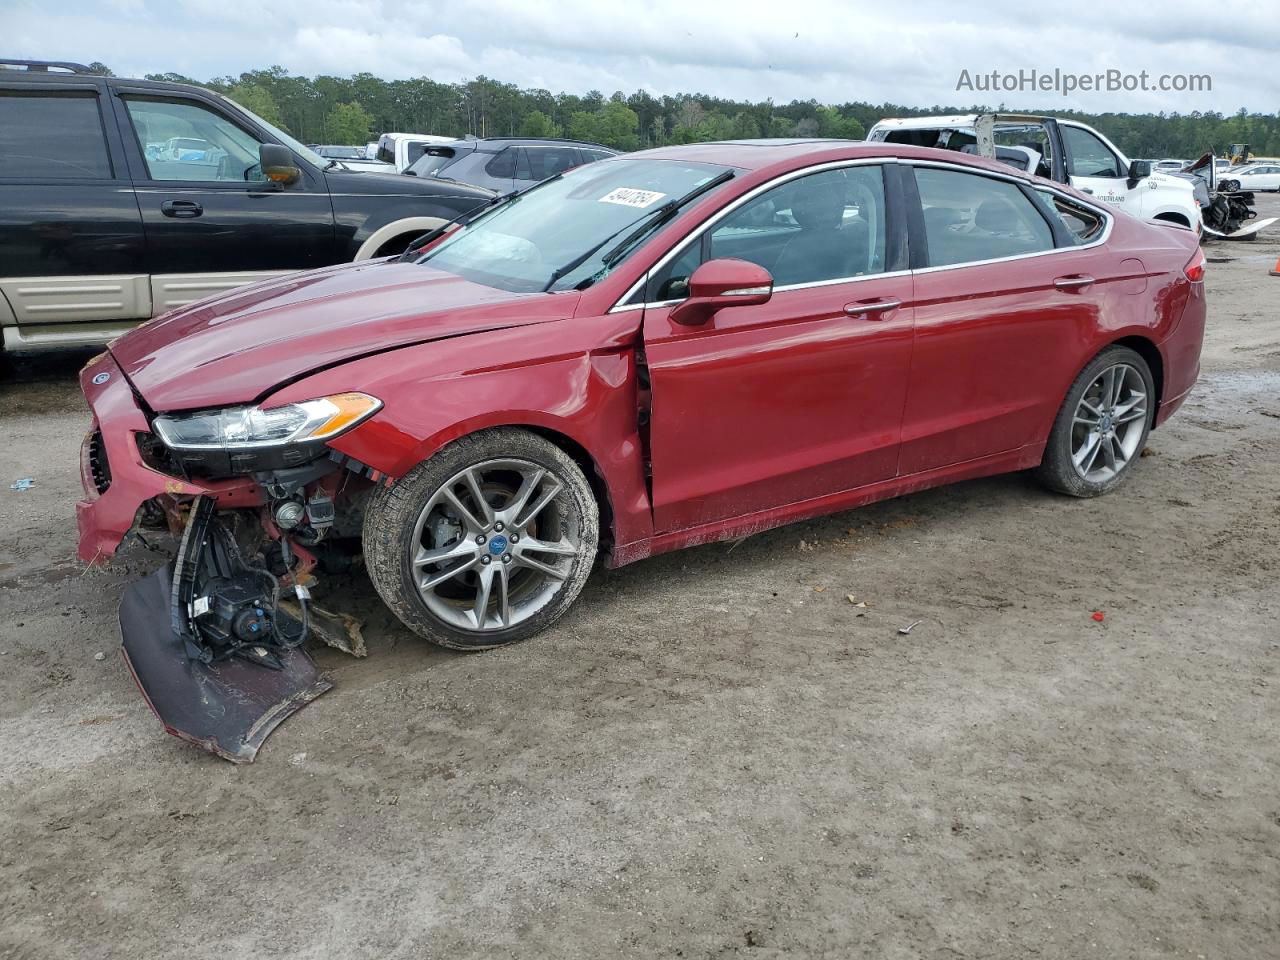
x=349, y=110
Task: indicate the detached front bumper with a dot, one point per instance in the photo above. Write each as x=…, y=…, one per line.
x=117, y=480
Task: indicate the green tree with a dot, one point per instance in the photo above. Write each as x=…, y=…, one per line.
x=832, y=124
x=348, y=123
x=257, y=99
x=583, y=125
x=538, y=124
x=618, y=126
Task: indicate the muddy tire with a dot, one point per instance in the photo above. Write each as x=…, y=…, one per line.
x=1102, y=427
x=486, y=543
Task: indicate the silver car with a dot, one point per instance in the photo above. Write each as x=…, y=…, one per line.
x=505, y=164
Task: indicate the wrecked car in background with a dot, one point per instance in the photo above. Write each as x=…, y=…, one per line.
x=654, y=351
x=1074, y=153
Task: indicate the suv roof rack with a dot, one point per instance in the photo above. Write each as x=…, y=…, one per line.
x=44, y=66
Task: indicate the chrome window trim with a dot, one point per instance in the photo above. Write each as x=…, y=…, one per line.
x=1107, y=216
x=621, y=305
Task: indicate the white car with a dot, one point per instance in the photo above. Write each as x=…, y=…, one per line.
x=1255, y=176
x=401, y=150
x=353, y=158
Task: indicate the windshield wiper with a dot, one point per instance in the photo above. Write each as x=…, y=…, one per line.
x=651, y=220
x=426, y=238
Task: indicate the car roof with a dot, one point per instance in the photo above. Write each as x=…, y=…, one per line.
x=537, y=142
x=789, y=153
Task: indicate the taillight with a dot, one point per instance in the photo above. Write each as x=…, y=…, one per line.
x=1195, y=267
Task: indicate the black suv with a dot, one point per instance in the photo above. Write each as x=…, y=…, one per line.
x=505, y=163
x=121, y=199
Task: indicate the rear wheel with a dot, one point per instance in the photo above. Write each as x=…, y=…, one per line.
x=1102, y=427
x=488, y=542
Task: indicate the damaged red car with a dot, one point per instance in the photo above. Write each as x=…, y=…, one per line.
x=662, y=349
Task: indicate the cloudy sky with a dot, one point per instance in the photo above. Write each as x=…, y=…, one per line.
x=828, y=50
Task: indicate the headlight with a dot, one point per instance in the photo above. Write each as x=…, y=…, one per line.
x=251, y=428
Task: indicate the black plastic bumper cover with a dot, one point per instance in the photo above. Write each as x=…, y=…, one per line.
x=228, y=707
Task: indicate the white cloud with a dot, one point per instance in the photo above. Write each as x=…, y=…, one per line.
x=754, y=49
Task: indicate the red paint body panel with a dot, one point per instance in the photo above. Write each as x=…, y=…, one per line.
x=766, y=405
x=233, y=348
x=765, y=414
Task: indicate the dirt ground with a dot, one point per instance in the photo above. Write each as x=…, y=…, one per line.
x=716, y=753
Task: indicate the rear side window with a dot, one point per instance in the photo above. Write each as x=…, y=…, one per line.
x=503, y=165
x=590, y=156
x=969, y=218
x=53, y=138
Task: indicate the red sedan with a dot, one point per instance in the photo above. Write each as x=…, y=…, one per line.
x=663, y=349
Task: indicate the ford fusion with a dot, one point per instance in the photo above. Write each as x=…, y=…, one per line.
x=669, y=348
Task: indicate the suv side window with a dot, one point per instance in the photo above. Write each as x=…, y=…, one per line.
x=969, y=218
x=52, y=137
x=503, y=165
x=186, y=142
x=1087, y=156
x=822, y=227
x=544, y=162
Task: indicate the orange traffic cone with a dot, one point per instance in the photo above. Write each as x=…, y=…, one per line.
x=1275, y=271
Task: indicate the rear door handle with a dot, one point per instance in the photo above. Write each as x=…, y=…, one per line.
x=181, y=209
x=1073, y=282
x=871, y=309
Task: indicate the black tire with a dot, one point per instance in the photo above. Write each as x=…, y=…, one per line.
x=1057, y=470
x=393, y=512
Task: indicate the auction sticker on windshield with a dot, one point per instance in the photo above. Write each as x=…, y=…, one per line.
x=631, y=197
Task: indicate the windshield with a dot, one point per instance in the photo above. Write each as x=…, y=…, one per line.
x=525, y=244
x=342, y=153
x=305, y=152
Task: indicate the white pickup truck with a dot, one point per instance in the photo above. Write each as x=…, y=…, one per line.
x=1071, y=152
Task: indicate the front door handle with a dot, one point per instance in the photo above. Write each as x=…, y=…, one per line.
x=1074, y=282
x=871, y=309
x=181, y=209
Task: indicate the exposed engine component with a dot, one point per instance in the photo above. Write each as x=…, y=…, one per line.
x=198, y=634
x=224, y=606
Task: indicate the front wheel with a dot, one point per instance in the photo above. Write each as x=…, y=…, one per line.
x=488, y=542
x=1102, y=426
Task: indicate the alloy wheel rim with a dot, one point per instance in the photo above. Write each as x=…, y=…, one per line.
x=494, y=544
x=1108, y=423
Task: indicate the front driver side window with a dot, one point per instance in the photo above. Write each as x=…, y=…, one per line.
x=819, y=228
x=183, y=141
x=1087, y=156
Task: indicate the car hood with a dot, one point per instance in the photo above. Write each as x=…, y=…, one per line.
x=241, y=346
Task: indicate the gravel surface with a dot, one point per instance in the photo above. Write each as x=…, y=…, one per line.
x=716, y=752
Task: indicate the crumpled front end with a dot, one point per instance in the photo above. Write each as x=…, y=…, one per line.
x=215, y=638
x=120, y=470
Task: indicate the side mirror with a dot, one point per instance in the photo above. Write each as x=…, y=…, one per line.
x=1139, y=169
x=277, y=164
x=723, y=283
